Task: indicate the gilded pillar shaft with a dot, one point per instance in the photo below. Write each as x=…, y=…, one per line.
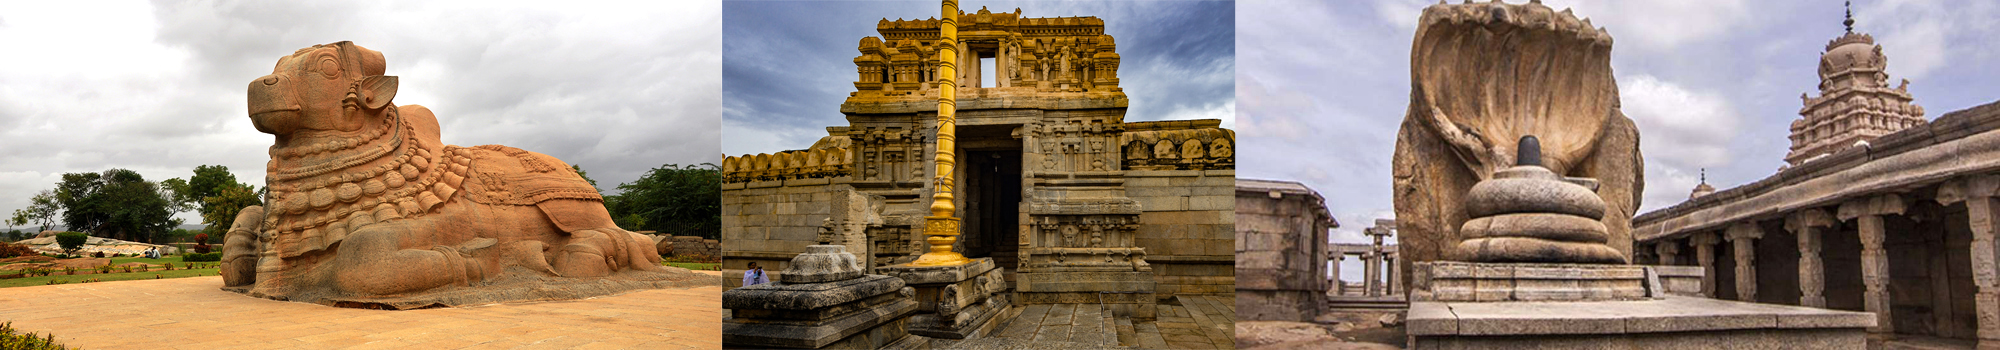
x=942, y=227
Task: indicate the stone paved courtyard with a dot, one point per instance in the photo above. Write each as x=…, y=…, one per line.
x=1196, y=323
x=191, y=313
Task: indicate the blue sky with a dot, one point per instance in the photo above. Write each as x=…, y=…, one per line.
x=1710, y=83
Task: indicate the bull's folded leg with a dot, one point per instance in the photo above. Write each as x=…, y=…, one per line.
x=371, y=264
x=642, y=254
x=585, y=255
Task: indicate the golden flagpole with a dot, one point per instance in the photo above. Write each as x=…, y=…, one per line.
x=941, y=228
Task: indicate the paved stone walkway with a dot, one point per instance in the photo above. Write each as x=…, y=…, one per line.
x=1196, y=323
x=191, y=313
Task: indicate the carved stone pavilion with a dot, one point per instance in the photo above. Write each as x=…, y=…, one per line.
x=1048, y=193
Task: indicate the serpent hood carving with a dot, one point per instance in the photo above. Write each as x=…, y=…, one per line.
x=369, y=208
x=1483, y=75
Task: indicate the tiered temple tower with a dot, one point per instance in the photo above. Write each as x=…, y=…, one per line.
x=1029, y=171
x=1855, y=102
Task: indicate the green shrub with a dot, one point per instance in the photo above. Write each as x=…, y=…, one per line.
x=215, y=256
x=71, y=241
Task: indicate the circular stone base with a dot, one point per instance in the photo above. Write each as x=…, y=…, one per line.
x=1523, y=249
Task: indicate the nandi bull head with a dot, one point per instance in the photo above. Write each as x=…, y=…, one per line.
x=332, y=87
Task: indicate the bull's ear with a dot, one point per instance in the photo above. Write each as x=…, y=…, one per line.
x=377, y=91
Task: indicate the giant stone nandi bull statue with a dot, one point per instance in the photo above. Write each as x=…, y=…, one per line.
x=368, y=208
x=1484, y=77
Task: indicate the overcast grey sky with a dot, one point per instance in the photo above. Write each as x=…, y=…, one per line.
x=159, y=88
x=789, y=64
x=1710, y=83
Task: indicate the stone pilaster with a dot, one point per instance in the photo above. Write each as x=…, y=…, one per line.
x=1809, y=225
x=1978, y=195
x=1868, y=213
x=1704, y=254
x=1743, y=239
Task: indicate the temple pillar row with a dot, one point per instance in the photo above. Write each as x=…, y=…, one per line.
x=1743, y=239
x=1868, y=213
x=1704, y=254
x=1667, y=252
x=1979, y=193
x=1809, y=225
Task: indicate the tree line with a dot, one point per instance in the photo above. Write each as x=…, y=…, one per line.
x=120, y=204
x=670, y=200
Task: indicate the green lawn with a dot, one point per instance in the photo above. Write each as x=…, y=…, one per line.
x=116, y=276
x=695, y=266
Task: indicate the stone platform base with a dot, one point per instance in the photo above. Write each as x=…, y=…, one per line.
x=1674, y=322
x=1465, y=281
x=953, y=302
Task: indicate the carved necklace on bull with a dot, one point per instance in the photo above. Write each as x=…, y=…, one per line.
x=295, y=192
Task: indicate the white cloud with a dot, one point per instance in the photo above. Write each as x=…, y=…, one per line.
x=1679, y=125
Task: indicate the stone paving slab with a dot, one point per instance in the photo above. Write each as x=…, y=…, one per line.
x=192, y=313
x=1197, y=323
x=1672, y=314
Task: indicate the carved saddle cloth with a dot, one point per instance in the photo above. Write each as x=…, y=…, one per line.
x=501, y=175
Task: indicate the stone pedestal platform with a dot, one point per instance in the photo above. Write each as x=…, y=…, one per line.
x=822, y=301
x=1673, y=322
x=953, y=302
x=1464, y=281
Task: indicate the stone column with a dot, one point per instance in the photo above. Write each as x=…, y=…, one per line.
x=1808, y=224
x=1875, y=273
x=1978, y=195
x=1704, y=253
x=1338, y=257
x=1868, y=213
x=1372, y=263
x=1743, y=238
x=1668, y=252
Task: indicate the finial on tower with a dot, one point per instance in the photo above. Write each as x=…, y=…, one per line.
x=1850, y=17
x=1704, y=175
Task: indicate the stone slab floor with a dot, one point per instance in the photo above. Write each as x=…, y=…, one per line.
x=1183, y=323
x=192, y=313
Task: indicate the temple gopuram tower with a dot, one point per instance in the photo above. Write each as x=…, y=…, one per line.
x=1855, y=102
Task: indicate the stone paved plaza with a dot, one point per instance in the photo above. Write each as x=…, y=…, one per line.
x=1196, y=323
x=193, y=313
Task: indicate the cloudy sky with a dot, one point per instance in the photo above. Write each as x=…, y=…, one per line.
x=1711, y=84
x=159, y=88
x=789, y=65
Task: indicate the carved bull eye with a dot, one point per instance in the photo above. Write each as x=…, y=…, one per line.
x=328, y=67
